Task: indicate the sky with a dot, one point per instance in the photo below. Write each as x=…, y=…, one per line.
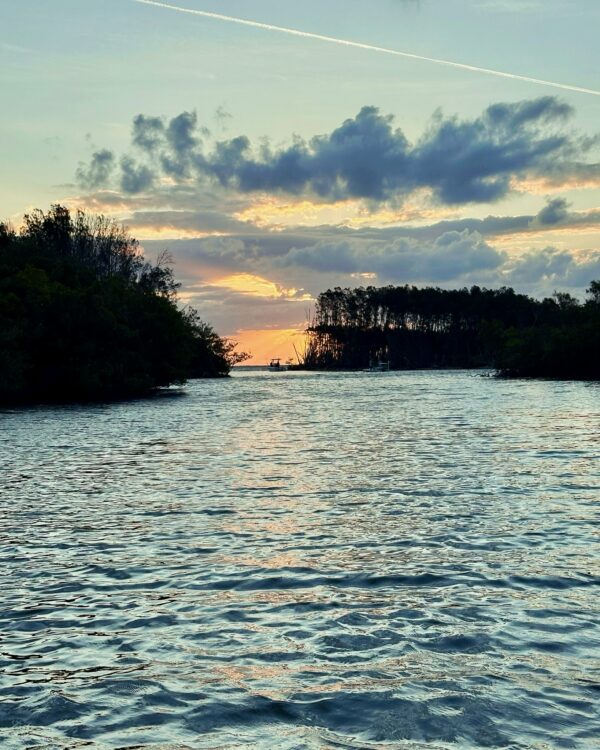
x=274, y=166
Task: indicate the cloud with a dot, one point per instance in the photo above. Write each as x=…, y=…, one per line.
x=474, y=161
x=99, y=170
x=555, y=212
x=183, y=142
x=263, y=228
x=250, y=280
x=148, y=132
x=189, y=222
x=216, y=218
x=304, y=259
x=450, y=256
x=368, y=158
x=553, y=267
x=135, y=178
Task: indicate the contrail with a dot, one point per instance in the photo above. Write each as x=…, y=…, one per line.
x=369, y=47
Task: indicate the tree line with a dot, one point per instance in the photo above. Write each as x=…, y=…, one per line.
x=412, y=327
x=83, y=315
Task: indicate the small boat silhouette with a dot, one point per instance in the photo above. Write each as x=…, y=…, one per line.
x=276, y=366
x=378, y=366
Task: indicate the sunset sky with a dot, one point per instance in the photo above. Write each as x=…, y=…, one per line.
x=274, y=166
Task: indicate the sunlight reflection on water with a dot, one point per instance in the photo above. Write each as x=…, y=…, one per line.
x=295, y=560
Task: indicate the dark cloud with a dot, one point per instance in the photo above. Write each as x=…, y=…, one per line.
x=450, y=256
x=99, y=170
x=543, y=264
x=555, y=215
x=175, y=143
x=555, y=212
x=461, y=161
x=367, y=157
x=183, y=144
x=553, y=267
x=148, y=132
x=475, y=161
x=135, y=178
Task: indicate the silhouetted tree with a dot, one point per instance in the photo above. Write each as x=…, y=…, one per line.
x=594, y=293
x=84, y=315
x=429, y=327
x=212, y=354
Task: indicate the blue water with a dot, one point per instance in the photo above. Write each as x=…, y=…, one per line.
x=294, y=560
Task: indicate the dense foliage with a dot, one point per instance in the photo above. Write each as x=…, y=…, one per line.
x=84, y=316
x=430, y=327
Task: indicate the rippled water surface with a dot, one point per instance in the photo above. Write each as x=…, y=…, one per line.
x=294, y=560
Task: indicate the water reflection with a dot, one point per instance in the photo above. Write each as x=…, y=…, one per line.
x=346, y=560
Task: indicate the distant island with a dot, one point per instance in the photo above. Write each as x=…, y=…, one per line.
x=411, y=328
x=84, y=316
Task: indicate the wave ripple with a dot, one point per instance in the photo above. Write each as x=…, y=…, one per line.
x=404, y=560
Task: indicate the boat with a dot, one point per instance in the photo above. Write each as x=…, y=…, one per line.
x=378, y=367
x=276, y=366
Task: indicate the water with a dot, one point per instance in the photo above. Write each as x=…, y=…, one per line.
x=401, y=560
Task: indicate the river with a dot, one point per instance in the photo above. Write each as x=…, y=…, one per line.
x=301, y=560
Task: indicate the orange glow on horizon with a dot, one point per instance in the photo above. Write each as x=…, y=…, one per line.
x=265, y=345
x=258, y=286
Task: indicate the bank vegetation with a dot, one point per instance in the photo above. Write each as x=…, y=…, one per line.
x=413, y=328
x=84, y=315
